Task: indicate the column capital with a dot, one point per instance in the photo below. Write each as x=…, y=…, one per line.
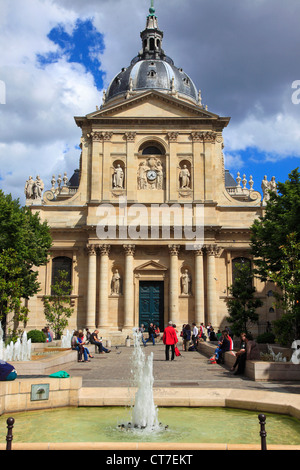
x=91, y=249
x=199, y=250
x=104, y=249
x=172, y=136
x=213, y=250
x=129, y=250
x=174, y=250
x=130, y=136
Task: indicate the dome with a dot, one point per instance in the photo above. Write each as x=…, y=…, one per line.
x=151, y=74
x=151, y=69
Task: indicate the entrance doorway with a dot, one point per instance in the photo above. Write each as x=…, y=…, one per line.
x=151, y=303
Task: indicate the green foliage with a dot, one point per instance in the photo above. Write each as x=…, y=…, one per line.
x=284, y=329
x=281, y=218
x=36, y=336
x=267, y=337
x=242, y=305
x=275, y=242
x=57, y=306
x=24, y=245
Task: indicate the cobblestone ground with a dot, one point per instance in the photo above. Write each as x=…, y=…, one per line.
x=191, y=369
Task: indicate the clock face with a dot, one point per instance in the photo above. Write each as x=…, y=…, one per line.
x=151, y=175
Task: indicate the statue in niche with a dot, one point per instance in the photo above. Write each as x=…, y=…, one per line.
x=118, y=177
x=184, y=177
x=116, y=283
x=186, y=283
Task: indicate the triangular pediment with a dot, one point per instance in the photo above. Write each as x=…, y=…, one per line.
x=152, y=104
x=151, y=266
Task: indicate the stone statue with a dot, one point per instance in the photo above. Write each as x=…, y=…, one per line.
x=34, y=189
x=160, y=175
x=29, y=188
x=184, y=177
x=185, y=283
x=118, y=178
x=267, y=186
x=273, y=185
x=116, y=283
x=151, y=174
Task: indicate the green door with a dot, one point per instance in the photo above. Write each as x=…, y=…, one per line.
x=151, y=303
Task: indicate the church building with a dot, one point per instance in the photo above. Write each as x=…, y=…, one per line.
x=150, y=226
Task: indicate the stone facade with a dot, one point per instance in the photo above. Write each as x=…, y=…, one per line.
x=143, y=149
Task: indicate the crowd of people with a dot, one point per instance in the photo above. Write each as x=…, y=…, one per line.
x=191, y=335
x=80, y=342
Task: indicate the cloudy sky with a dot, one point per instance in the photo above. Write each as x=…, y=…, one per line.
x=57, y=56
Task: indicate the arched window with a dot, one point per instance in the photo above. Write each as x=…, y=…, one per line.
x=236, y=263
x=61, y=263
x=152, y=45
x=152, y=150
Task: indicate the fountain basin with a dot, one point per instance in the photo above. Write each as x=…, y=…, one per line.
x=187, y=427
x=15, y=397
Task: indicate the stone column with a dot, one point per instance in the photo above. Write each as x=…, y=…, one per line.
x=131, y=167
x=103, y=287
x=199, y=287
x=211, y=251
x=96, y=166
x=174, y=283
x=91, y=288
x=172, y=177
x=198, y=163
x=128, y=287
x=106, y=167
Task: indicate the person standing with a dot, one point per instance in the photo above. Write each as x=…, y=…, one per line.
x=151, y=333
x=170, y=340
x=195, y=334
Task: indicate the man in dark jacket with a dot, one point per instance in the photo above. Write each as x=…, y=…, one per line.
x=151, y=332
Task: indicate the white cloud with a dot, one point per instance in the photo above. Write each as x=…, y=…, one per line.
x=37, y=123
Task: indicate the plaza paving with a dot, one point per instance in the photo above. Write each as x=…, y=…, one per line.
x=191, y=369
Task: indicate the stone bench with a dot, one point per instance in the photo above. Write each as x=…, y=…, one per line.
x=260, y=371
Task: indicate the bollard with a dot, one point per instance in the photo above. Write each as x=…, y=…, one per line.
x=9, y=437
x=263, y=434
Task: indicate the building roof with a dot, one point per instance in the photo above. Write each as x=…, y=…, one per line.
x=152, y=69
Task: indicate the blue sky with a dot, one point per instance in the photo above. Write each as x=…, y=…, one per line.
x=57, y=56
x=83, y=46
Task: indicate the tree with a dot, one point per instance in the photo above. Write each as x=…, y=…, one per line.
x=242, y=305
x=287, y=328
x=275, y=239
x=269, y=232
x=24, y=245
x=11, y=286
x=57, y=305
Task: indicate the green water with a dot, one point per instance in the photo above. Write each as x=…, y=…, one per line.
x=208, y=425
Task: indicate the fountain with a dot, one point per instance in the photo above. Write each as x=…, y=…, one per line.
x=144, y=413
x=66, y=340
x=18, y=351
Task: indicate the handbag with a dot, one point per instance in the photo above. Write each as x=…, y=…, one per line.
x=177, y=352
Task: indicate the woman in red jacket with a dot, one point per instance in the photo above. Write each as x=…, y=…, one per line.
x=170, y=340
